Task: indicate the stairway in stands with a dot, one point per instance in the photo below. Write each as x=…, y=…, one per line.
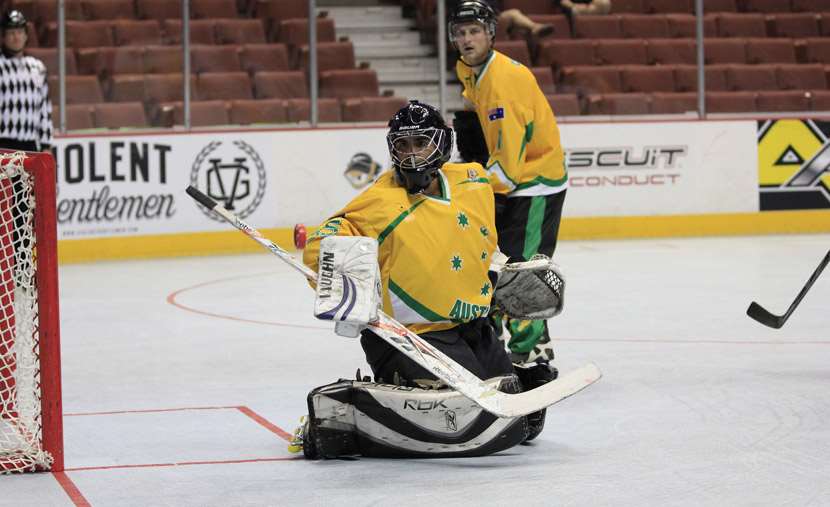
x=392, y=46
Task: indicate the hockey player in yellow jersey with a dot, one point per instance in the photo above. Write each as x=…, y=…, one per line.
x=417, y=243
x=520, y=149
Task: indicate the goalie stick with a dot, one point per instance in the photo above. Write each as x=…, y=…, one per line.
x=413, y=346
x=766, y=318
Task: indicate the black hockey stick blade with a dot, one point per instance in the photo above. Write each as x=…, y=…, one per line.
x=762, y=315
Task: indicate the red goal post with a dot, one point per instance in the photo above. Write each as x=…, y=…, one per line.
x=31, y=426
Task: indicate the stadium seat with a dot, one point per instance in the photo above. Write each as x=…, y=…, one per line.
x=544, y=78
x=136, y=32
x=104, y=62
x=811, y=5
x=801, y=77
x=201, y=31
x=239, y=31
x=564, y=53
x=280, y=9
x=766, y=6
x=378, y=109
x=328, y=110
x=685, y=78
x=671, y=51
x=202, y=113
x=530, y=6
x=820, y=100
x=632, y=6
x=719, y=6
x=515, y=49
x=108, y=9
x=214, y=59
x=280, y=85
x=166, y=87
x=158, y=9
x=685, y=25
x=817, y=50
x=618, y=52
x=32, y=41
x=588, y=79
x=673, y=102
x=49, y=57
x=81, y=34
x=644, y=78
x=668, y=6
x=770, y=51
x=224, y=86
x=258, y=57
x=795, y=25
x=330, y=56
x=294, y=32
x=46, y=11
x=720, y=50
x=163, y=59
x=201, y=9
x=824, y=24
x=782, y=100
x=618, y=103
x=564, y=104
x=741, y=25
x=248, y=112
x=561, y=27
x=124, y=114
x=126, y=88
x=79, y=89
x=730, y=102
x=78, y=116
x=347, y=83
x=751, y=77
x=644, y=26
x=598, y=27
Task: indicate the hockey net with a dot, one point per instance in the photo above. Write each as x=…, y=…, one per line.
x=30, y=404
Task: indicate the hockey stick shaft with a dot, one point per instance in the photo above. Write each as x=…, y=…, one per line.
x=433, y=360
x=762, y=315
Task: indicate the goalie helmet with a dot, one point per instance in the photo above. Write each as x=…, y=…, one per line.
x=419, y=144
x=13, y=19
x=469, y=11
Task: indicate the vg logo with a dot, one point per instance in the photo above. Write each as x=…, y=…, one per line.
x=233, y=174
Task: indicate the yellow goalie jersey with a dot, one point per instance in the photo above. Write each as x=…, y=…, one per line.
x=526, y=156
x=434, y=251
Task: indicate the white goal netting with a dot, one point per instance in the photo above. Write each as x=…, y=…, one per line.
x=21, y=439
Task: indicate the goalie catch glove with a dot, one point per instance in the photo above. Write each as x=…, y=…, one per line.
x=529, y=290
x=348, y=283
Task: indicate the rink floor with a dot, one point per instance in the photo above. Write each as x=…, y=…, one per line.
x=182, y=379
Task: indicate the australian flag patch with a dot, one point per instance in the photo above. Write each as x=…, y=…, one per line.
x=495, y=114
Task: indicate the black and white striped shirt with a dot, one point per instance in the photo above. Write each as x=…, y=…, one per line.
x=25, y=108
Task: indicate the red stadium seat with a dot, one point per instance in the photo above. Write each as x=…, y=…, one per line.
x=202, y=31
x=127, y=88
x=280, y=85
x=671, y=51
x=741, y=25
x=686, y=77
x=811, y=5
x=215, y=59
x=202, y=113
x=79, y=89
x=720, y=50
x=544, y=78
x=795, y=25
x=598, y=27
x=515, y=49
x=766, y=6
x=801, y=77
x=644, y=78
x=108, y=9
x=673, y=102
x=632, y=6
x=330, y=55
x=294, y=32
x=817, y=50
x=224, y=86
x=46, y=11
x=201, y=9
x=618, y=52
x=104, y=62
x=644, y=26
x=49, y=57
x=346, y=83
x=328, y=110
x=720, y=6
x=158, y=9
x=565, y=53
x=378, y=109
x=685, y=25
x=820, y=100
x=258, y=57
x=770, y=51
x=751, y=77
x=561, y=27
x=166, y=87
x=248, y=112
x=78, y=116
x=783, y=100
x=669, y=6
x=81, y=34
x=163, y=59
x=123, y=114
x=239, y=31
x=730, y=102
x=619, y=104
x=589, y=79
x=564, y=104
x=136, y=33
x=530, y=6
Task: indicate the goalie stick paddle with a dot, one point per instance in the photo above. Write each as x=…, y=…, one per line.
x=413, y=346
x=760, y=314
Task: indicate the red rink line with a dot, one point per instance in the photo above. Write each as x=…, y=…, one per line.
x=78, y=498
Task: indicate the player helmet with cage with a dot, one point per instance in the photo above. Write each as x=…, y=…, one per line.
x=419, y=143
x=472, y=11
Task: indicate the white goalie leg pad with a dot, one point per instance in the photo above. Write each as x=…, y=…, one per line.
x=379, y=420
x=348, y=283
x=530, y=290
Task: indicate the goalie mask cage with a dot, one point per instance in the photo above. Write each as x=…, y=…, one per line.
x=31, y=431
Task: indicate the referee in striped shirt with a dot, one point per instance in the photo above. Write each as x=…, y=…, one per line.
x=25, y=108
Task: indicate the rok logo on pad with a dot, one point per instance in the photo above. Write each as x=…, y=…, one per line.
x=232, y=174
